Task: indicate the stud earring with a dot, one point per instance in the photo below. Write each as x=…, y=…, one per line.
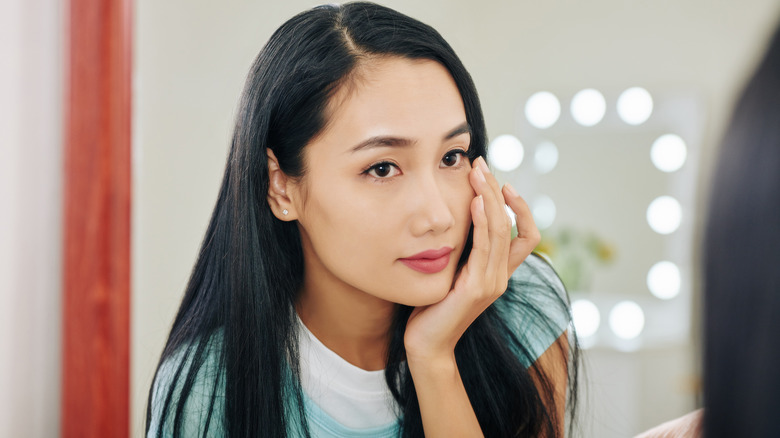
x=284, y=212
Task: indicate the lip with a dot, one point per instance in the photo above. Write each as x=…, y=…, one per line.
x=430, y=261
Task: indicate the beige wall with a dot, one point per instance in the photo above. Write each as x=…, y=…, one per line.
x=191, y=59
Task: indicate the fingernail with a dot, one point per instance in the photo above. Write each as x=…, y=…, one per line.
x=480, y=203
x=483, y=165
x=510, y=189
x=480, y=174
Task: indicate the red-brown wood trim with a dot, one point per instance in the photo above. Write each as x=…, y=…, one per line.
x=97, y=195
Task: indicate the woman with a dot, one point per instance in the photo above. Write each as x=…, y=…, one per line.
x=742, y=252
x=352, y=278
x=741, y=280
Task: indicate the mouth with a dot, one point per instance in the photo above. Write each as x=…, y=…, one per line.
x=429, y=262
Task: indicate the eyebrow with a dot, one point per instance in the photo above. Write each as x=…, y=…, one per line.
x=390, y=141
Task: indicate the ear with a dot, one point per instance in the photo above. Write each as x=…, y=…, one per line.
x=279, y=190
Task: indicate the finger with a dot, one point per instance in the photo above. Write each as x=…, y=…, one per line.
x=480, y=250
x=485, y=184
x=479, y=181
x=499, y=228
x=482, y=164
x=528, y=235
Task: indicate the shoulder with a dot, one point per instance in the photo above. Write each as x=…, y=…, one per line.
x=536, y=279
x=191, y=375
x=687, y=426
x=535, y=307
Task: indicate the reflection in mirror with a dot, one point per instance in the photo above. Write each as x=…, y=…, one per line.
x=611, y=186
x=188, y=80
x=635, y=105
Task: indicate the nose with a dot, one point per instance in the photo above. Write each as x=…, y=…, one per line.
x=430, y=211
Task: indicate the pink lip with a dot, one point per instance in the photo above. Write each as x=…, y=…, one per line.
x=429, y=262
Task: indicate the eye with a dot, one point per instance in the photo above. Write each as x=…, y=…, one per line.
x=453, y=158
x=383, y=170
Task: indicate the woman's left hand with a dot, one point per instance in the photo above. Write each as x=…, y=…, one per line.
x=432, y=331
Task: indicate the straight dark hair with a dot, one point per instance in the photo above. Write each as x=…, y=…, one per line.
x=246, y=281
x=742, y=266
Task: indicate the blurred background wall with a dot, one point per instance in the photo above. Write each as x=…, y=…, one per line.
x=190, y=62
x=31, y=35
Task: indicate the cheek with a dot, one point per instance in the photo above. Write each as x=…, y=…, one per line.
x=356, y=243
x=462, y=196
x=346, y=227
x=357, y=235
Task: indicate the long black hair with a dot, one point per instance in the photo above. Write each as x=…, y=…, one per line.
x=246, y=280
x=742, y=266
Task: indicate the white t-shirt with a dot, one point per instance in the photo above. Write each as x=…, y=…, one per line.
x=350, y=395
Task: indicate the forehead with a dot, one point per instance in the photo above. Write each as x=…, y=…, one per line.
x=416, y=99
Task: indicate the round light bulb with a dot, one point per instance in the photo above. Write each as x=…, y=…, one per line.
x=588, y=107
x=542, y=109
x=545, y=157
x=505, y=153
x=635, y=105
x=543, y=211
x=663, y=280
x=627, y=320
x=664, y=215
x=586, y=317
x=668, y=153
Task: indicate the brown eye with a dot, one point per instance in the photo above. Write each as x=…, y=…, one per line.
x=383, y=170
x=452, y=158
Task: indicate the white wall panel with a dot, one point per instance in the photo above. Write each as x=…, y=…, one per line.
x=30, y=218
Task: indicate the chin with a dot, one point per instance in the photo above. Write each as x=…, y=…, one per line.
x=425, y=297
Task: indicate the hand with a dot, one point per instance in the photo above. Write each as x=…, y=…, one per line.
x=689, y=425
x=432, y=331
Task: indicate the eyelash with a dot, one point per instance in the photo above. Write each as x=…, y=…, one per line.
x=367, y=172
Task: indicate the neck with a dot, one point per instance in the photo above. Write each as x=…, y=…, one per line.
x=350, y=322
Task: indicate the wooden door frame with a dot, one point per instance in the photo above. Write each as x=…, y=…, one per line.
x=96, y=213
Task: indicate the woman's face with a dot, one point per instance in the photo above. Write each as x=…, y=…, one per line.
x=384, y=206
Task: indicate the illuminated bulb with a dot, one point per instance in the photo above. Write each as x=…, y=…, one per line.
x=663, y=280
x=586, y=317
x=505, y=153
x=626, y=320
x=542, y=109
x=545, y=157
x=588, y=107
x=543, y=211
x=664, y=215
x=668, y=153
x=635, y=105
